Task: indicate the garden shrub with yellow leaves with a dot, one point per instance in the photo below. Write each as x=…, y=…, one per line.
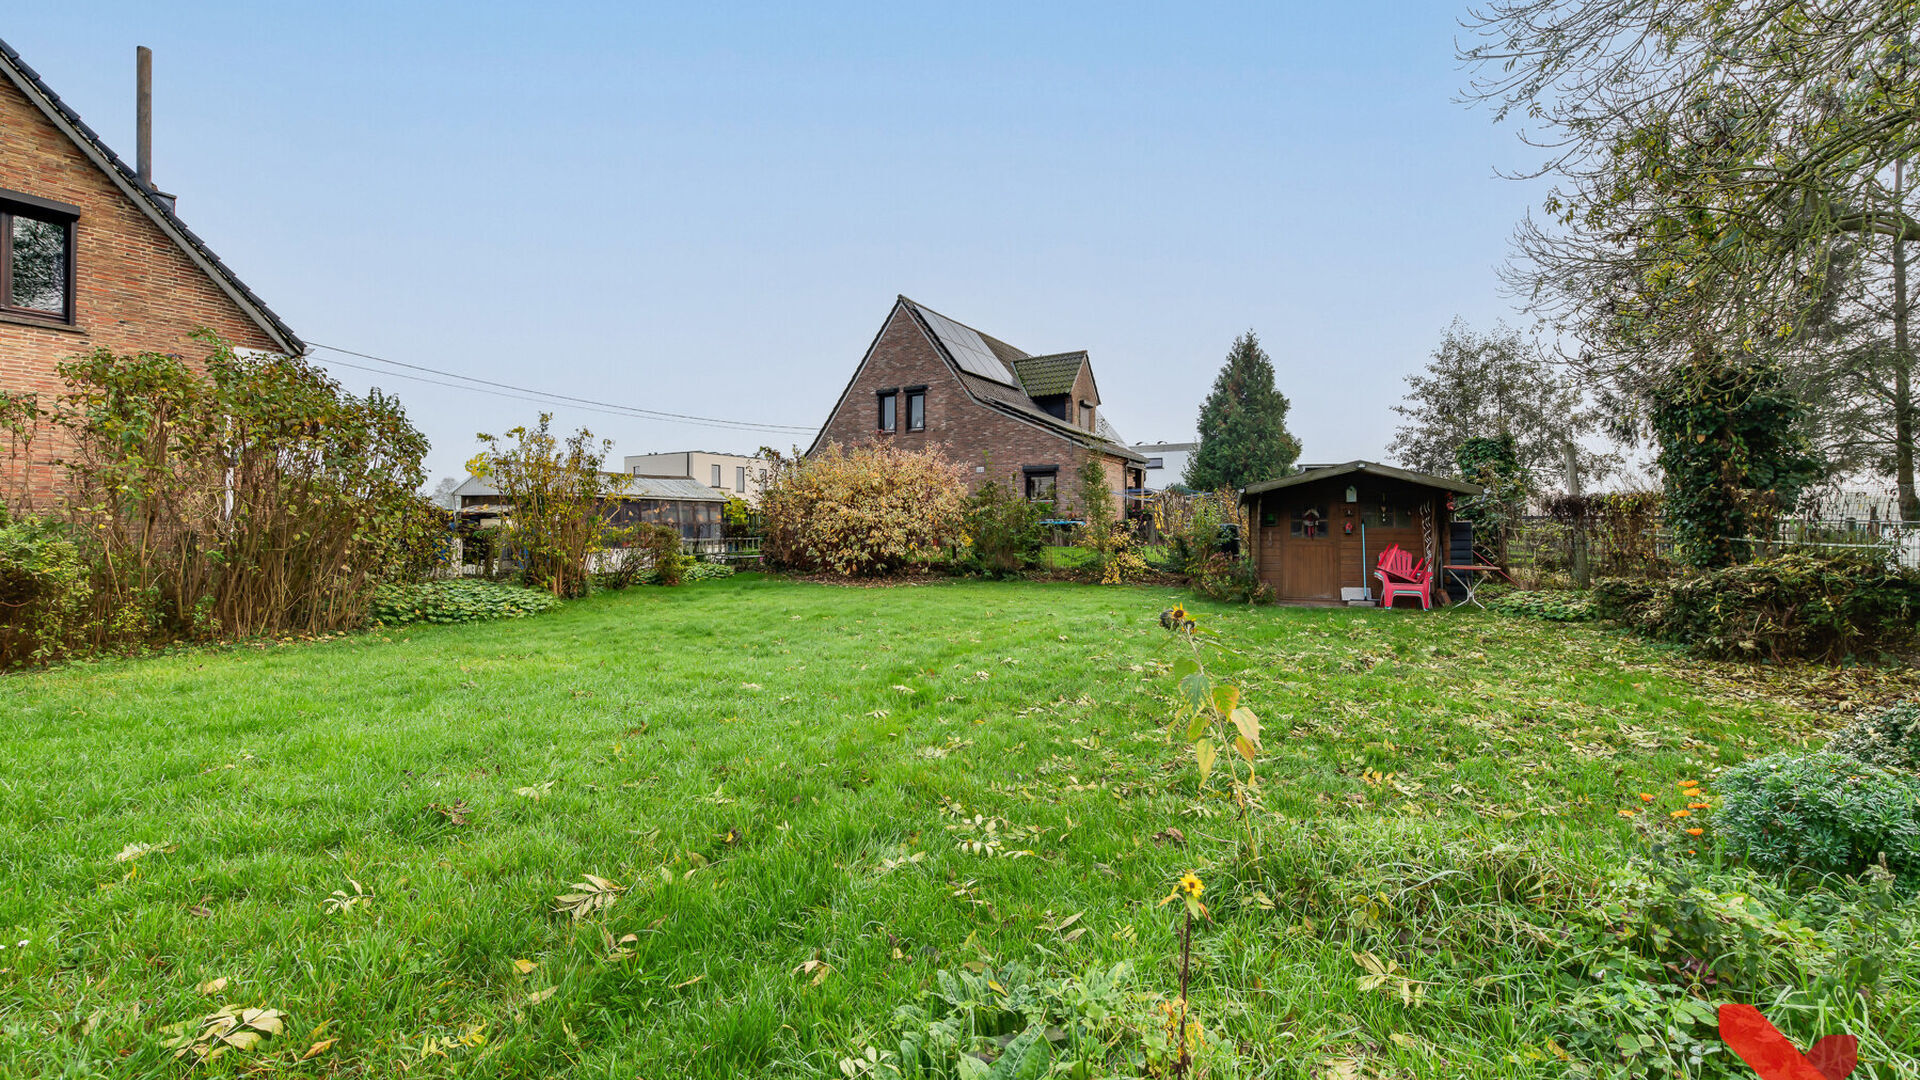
x=862, y=510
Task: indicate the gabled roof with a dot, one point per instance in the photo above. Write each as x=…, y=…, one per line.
x=157, y=208
x=1045, y=376
x=1328, y=472
x=970, y=350
x=1003, y=391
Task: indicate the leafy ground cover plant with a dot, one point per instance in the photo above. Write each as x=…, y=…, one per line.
x=707, y=571
x=1824, y=812
x=1555, y=605
x=444, y=602
x=1888, y=737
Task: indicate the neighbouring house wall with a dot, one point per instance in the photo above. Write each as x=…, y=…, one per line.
x=996, y=446
x=134, y=289
x=1083, y=390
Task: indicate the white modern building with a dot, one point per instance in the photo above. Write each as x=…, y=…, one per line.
x=1166, y=463
x=734, y=474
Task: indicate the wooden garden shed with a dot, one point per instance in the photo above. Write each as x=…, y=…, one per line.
x=1322, y=529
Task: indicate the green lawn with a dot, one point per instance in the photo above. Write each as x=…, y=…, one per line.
x=892, y=782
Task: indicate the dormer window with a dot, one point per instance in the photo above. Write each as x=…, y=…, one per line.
x=36, y=257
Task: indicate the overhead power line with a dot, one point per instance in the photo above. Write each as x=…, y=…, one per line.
x=548, y=396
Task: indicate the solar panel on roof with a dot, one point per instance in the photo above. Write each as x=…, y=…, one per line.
x=968, y=350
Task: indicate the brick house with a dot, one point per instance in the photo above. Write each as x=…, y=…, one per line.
x=929, y=381
x=93, y=255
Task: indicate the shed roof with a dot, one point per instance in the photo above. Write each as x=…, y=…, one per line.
x=1371, y=468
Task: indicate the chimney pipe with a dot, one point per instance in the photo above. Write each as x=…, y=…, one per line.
x=144, y=112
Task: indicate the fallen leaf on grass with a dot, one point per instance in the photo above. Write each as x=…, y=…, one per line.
x=134, y=851
x=689, y=982
x=456, y=812
x=232, y=1028
x=318, y=1048
x=535, y=793
x=819, y=969
x=1339, y=1069
x=622, y=949
x=1171, y=835
x=525, y=967
x=212, y=986
x=539, y=996
x=342, y=901
x=592, y=895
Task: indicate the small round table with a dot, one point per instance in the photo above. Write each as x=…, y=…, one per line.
x=1469, y=579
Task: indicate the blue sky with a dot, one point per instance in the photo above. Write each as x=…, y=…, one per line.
x=708, y=209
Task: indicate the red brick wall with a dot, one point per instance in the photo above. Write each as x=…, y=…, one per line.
x=1083, y=390
x=134, y=289
x=978, y=437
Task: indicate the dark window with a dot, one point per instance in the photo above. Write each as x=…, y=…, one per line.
x=1040, y=484
x=1309, y=522
x=888, y=421
x=36, y=261
x=1156, y=463
x=1385, y=517
x=916, y=410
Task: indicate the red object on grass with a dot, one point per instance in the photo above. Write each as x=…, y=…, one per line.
x=1400, y=576
x=1774, y=1056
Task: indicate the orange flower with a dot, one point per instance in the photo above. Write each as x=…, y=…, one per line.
x=1687, y=784
x=1695, y=832
x=1624, y=813
x=1697, y=805
x=1681, y=813
x=1644, y=797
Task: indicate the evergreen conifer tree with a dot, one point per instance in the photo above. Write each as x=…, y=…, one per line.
x=1243, y=424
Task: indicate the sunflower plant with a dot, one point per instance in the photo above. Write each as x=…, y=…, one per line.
x=1207, y=712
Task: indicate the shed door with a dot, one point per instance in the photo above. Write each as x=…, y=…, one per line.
x=1309, y=567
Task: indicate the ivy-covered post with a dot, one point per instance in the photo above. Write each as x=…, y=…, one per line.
x=1493, y=462
x=1734, y=453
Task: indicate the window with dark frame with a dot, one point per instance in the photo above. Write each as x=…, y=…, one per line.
x=739, y=478
x=1041, y=484
x=889, y=403
x=36, y=257
x=917, y=408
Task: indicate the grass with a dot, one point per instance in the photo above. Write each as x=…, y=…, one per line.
x=785, y=779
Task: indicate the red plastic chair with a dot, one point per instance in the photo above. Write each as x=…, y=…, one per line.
x=1399, y=575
